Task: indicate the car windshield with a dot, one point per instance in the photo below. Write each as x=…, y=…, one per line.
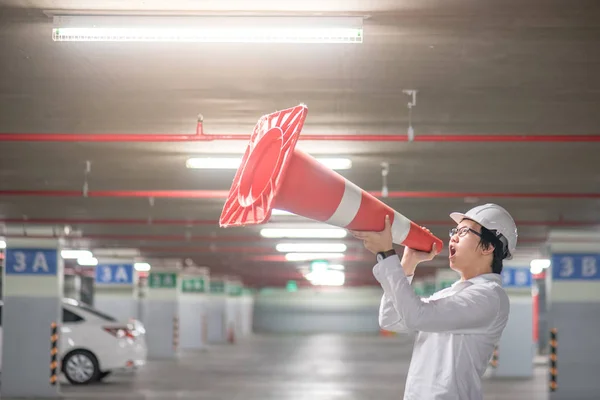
x=97, y=313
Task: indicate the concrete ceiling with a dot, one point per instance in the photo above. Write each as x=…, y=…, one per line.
x=502, y=68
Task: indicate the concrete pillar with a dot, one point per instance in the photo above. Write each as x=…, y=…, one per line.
x=86, y=293
x=161, y=313
x=116, y=289
x=516, y=349
x=33, y=292
x=193, y=308
x=217, y=310
x=72, y=286
x=247, y=311
x=574, y=311
x=234, y=309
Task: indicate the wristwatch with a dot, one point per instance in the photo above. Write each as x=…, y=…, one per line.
x=382, y=255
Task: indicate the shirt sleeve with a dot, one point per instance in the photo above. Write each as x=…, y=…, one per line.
x=389, y=318
x=471, y=310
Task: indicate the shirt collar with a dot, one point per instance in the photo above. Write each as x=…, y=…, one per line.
x=491, y=277
x=483, y=278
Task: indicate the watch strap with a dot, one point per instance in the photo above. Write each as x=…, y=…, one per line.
x=385, y=254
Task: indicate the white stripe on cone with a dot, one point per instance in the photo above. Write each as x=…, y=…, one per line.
x=400, y=228
x=349, y=206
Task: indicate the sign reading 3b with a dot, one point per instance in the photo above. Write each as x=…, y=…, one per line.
x=576, y=267
x=114, y=274
x=515, y=277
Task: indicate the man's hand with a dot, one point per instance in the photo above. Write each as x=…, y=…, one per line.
x=376, y=242
x=411, y=257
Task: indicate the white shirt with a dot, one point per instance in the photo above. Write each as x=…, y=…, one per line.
x=456, y=331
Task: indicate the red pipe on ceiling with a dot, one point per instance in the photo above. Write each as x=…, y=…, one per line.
x=197, y=222
x=158, y=138
x=425, y=138
x=222, y=194
x=172, y=194
x=159, y=238
x=201, y=136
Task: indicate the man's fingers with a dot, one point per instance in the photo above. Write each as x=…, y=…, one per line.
x=434, y=250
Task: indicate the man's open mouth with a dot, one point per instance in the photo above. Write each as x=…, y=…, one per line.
x=452, y=251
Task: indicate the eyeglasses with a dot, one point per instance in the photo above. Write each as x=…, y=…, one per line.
x=463, y=231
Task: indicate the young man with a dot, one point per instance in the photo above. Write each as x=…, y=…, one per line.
x=458, y=327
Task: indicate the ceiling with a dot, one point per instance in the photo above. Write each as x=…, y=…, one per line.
x=524, y=69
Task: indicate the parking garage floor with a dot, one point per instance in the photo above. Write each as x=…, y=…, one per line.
x=289, y=368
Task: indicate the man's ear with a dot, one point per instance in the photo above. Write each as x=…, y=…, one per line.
x=487, y=251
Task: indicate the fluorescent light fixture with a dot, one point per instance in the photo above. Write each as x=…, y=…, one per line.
x=208, y=29
x=312, y=256
x=87, y=261
x=2, y=244
x=213, y=163
x=141, y=266
x=326, y=278
x=235, y=162
x=311, y=247
x=539, y=265
x=304, y=233
x=536, y=269
x=72, y=254
x=336, y=163
x=276, y=211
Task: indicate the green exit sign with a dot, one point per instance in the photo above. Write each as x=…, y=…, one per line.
x=162, y=280
x=235, y=290
x=193, y=285
x=217, y=286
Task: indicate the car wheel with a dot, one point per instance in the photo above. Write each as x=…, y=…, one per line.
x=81, y=367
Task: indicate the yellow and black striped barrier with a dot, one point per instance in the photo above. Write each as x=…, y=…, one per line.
x=175, y=333
x=553, y=369
x=53, y=353
x=494, y=360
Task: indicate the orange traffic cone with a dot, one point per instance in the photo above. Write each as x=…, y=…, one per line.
x=274, y=174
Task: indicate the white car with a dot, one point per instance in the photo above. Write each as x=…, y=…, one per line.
x=93, y=344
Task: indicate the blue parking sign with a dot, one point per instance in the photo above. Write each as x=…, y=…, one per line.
x=576, y=267
x=513, y=277
x=31, y=261
x=114, y=274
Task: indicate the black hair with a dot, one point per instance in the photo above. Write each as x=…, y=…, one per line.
x=488, y=238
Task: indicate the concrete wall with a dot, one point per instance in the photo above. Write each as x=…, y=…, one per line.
x=339, y=310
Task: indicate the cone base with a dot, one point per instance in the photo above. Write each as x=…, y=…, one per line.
x=263, y=168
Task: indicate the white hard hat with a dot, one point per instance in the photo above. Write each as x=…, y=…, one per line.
x=496, y=219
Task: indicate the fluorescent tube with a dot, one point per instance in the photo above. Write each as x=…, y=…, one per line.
x=312, y=256
x=540, y=263
x=326, y=278
x=311, y=247
x=276, y=211
x=208, y=29
x=325, y=233
x=87, y=261
x=76, y=254
x=141, y=266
